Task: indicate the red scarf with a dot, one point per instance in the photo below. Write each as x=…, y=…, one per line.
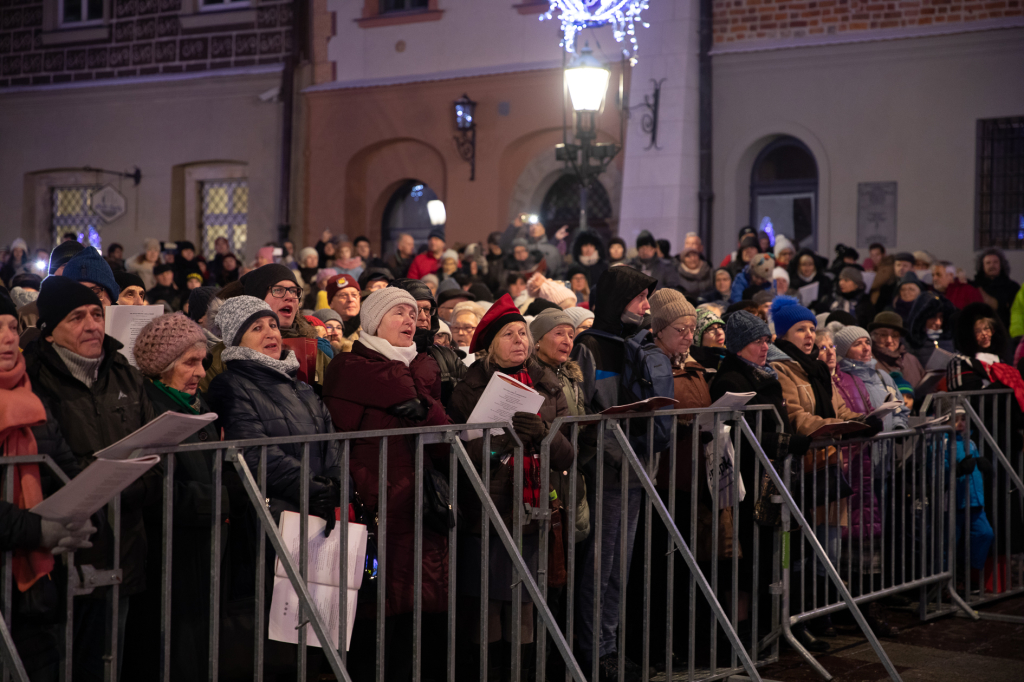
x=531, y=464
x=20, y=410
x=1009, y=377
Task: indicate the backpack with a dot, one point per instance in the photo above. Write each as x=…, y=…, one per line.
x=646, y=373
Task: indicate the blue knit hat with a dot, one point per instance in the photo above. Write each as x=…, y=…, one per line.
x=787, y=311
x=744, y=328
x=437, y=232
x=89, y=266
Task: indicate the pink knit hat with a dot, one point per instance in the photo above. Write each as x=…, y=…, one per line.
x=164, y=339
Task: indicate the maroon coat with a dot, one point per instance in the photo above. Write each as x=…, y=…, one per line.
x=359, y=387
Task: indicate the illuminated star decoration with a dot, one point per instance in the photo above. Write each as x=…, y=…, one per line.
x=576, y=15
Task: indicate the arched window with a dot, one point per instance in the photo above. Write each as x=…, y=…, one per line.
x=561, y=206
x=406, y=213
x=784, y=191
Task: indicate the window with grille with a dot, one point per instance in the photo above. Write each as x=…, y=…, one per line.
x=999, y=189
x=561, y=204
x=72, y=214
x=401, y=5
x=79, y=12
x=225, y=214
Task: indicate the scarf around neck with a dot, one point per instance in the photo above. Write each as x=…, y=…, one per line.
x=20, y=410
x=818, y=375
x=82, y=368
x=189, y=402
x=288, y=365
x=375, y=343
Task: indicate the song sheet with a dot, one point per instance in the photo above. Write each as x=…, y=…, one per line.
x=166, y=431
x=502, y=397
x=124, y=322
x=90, y=490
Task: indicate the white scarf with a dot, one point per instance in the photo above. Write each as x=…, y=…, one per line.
x=287, y=365
x=375, y=343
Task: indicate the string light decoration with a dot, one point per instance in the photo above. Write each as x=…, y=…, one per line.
x=622, y=15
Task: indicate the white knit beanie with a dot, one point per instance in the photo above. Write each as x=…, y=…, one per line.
x=378, y=303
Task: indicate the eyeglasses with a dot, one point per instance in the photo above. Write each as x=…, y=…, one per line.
x=100, y=292
x=279, y=292
x=684, y=331
x=423, y=312
x=463, y=328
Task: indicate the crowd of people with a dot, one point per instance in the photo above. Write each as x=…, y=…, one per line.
x=287, y=346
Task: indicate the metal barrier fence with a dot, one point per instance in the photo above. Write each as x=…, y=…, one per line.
x=749, y=578
x=983, y=576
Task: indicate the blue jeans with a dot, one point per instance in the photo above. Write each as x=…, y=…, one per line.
x=981, y=535
x=611, y=587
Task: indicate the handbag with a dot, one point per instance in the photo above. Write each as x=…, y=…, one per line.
x=556, y=553
x=766, y=512
x=368, y=588
x=437, y=513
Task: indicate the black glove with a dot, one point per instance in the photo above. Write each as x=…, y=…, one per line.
x=798, y=445
x=413, y=410
x=324, y=492
x=706, y=437
x=327, y=514
x=530, y=428
x=984, y=465
x=874, y=424
x=966, y=466
x=424, y=339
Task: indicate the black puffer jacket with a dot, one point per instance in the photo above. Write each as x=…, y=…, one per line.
x=253, y=400
x=91, y=419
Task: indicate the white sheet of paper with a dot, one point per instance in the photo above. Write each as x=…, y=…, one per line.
x=938, y=360
x=869, y=279
x=90, y=490
x=808, y=293
x=167, y=430
x=124, y=322
x=323, y=580
x=706, y=421
x=886, y=408
x=502, y=397
x=470, y=357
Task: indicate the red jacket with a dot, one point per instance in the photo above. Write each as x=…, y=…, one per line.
x=355, y=408
x=960, y=294
x=424, y=264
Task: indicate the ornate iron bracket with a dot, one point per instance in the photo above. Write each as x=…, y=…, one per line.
x=465, y=143
x=649, y=122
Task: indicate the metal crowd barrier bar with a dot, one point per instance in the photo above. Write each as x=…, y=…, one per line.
x=889, y=532
x=659, y=503
x=988, y=425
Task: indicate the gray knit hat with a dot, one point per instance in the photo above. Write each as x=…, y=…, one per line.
x=237, y=314
x=847, y=336
x=667, y=306
x=378, y=303
x=742, y=329
x=328, y=314
x=852, y=274
x=578, y=315
x=547, y=320
x=705, y=320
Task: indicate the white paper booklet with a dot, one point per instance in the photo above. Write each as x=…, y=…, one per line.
x=323, y=582
x=124, y=322
x=886, y=408
x=808, y=293
x=502, y=398
x=939, y=360
x=90, y=490
x=166, y=431
x=733, y=401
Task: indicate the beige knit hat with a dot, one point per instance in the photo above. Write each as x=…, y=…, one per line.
x=667, y=306
x=379, y=302
x=163, y=340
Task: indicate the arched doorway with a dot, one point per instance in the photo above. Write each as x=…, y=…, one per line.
x=406, y=213
x=561, y=206
x=784, y=191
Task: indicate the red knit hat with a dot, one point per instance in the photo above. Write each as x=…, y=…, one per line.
x=315, y=321
x=339, y=282
x=501, y=313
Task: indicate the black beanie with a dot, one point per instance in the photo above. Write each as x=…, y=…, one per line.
x=62, y=253
x=645, y=238
x=540, y=304
x=128, y=279
x=199, y=302
x=258, y=282
x=57, y=298
x=7, y=306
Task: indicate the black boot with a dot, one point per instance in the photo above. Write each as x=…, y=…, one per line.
x=809, y=641
x=876, y=619
x=822, y=626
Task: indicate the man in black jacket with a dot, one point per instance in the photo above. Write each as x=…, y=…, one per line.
x=621, y=310
x=98, y=399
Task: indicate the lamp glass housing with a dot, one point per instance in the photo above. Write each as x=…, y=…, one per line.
x=587, y=80
x=437, y=213
x=465, y=110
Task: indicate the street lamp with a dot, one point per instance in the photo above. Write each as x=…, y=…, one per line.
x=465, y=123
x=437, y=213
x=586, y=79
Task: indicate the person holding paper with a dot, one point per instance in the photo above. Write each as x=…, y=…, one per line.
x=930, y=323
x=849, y=292
x=406, y=393
x=853, y=346
x=808, y=268
x=27, y=427
x=98, y=399
x=503, y=334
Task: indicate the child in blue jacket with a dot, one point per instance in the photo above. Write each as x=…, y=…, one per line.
x=970, y=492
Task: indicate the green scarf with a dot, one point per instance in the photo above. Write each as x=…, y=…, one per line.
x=189, y=402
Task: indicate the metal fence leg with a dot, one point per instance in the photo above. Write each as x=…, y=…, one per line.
x=10, y=655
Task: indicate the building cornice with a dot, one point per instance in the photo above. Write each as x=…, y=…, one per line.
x=435, y=76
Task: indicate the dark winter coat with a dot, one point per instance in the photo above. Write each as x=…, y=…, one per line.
x=691, y=391
x=594, y=271
x=825, y=283
x=963, y=335
x=662, y=269
x=1001, y=288
x=90, y=420
x=253, y=400
x=925, y=307
x=465, y=398
x=354, y=408
x=696, y=283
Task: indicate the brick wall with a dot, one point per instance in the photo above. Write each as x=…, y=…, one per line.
x=739, y=20
x=146, y=38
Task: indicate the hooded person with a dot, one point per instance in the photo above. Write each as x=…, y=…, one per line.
x=589, y=254
x=616, y=251
x=757, y=274
x=621, y=311
x=651, y=264
x=505, y=344
x=992, y=278
x=930, y=324
x=848, y=293
x=427, y=325
x=980, y=334
x=406, y=393
x=695, y=274
x=807, y=268
x=846, y=256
